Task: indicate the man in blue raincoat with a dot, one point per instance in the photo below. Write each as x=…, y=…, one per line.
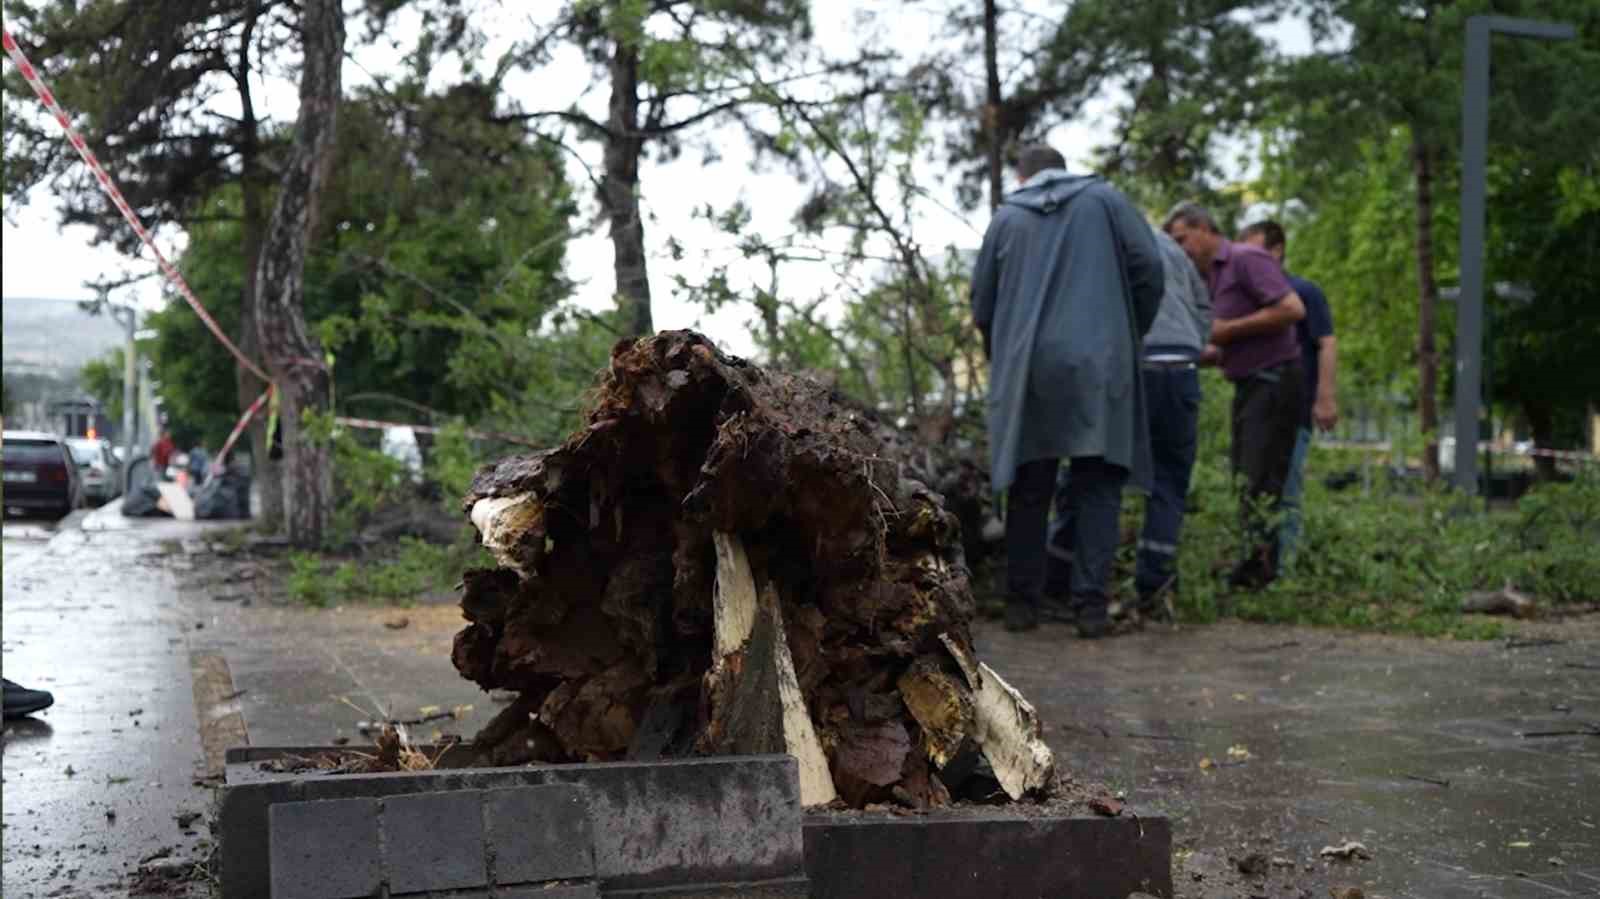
x=1067, y=283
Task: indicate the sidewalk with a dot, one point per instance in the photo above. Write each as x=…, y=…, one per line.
x=1254, y=740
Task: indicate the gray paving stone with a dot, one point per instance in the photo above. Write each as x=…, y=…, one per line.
x=434, y=841
x=324, y=850
x=539, y=833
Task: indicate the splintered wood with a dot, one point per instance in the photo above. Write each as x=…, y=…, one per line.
x=730, y=560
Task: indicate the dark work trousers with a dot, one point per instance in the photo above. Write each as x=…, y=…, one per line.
x=1086, y=520
x=1172, y=396
x=1266, y=418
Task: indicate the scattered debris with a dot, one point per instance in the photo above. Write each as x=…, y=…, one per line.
x=396, y=624
x=1556, y=862
x=1109, y=806
x=186, y=819
x=136, y=713
x=1238, y=752
x=1590, y=731
x=69, y=772
x=1428, y=780
x=1505, y=601
x=164, y=852
x=1350, y=850
x=1346, y=893
x=1519, y=844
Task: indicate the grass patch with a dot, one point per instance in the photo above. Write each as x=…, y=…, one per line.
x=412, y=568
x=1383, y=554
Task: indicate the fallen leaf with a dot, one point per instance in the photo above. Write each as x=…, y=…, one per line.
x=1252, y=865
x=1240, y=697
x=1106, y=805
x=427, y=710
x=1205, y=764
x=397, y=623
x=461, y=711
x=1238, y=752
x=1350, y=849
x=1346, y=893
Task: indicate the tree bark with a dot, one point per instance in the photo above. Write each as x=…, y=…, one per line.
x=620, y=192
x=991, y=110
x=265, y=473
x=1428, y=299
x=294, y=357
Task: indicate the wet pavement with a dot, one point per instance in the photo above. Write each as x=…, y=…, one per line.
x=1467, y=769
x=1464, y=769
x=100, y=791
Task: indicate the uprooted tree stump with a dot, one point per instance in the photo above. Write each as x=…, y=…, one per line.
x=731, y=560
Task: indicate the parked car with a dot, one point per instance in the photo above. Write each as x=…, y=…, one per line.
x=98, y=468
x=40, y=475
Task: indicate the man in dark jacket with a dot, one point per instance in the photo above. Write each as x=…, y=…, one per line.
x=1067, y=283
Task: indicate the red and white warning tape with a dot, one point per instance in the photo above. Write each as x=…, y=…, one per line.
x=377, y=424
x=109, y=187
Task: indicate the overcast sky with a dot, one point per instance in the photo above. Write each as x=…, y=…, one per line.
x=41, y=259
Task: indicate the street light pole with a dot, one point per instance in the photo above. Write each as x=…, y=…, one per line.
x=1474, y=159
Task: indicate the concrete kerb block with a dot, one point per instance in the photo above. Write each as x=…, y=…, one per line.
x=535, y=834
x=655, y=825
x=434, y=841
x=325, y=850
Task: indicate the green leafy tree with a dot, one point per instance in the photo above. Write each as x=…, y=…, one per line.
x=1388, y=69
x=102, y=379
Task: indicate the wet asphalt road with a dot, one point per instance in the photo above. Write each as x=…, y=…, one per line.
x=1466, y=769
x=102, y=783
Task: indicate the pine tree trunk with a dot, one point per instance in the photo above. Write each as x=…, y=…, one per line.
x=1428, y=298
x=293, y=355
x=265, y=474
x=991, y=116
x=621, y=193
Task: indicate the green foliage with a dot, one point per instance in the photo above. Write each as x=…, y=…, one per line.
x=1384, y=554
x=435, y=282
x=412, y=568
x=102, y=379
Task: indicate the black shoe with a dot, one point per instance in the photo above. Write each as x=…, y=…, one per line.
x=1093, y=623
x=1057, y=610
x=1021, y=617
x=21, y=702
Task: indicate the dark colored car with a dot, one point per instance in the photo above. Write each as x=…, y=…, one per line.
x=40, y=474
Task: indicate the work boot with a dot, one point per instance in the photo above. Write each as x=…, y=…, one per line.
x=21, y=702
x=1094, y=622
x=1053, y=608
x=1021, y=616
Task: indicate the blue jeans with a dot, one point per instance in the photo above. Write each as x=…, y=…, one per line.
x=1172, y=402
x=1172, y=396
x=1289, y=531
x=1086, y=523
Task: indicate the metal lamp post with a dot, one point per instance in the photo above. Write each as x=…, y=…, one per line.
x=1474, y=154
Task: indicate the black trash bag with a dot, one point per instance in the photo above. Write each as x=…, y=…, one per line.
x=142, y=494
x=225, y=496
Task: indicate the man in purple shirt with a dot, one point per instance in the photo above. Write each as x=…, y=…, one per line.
x=1253, y=338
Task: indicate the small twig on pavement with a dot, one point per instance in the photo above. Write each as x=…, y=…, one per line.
x=1591, y=732
x=1268, y=648
x=1428, y=780
x=1514, y=643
